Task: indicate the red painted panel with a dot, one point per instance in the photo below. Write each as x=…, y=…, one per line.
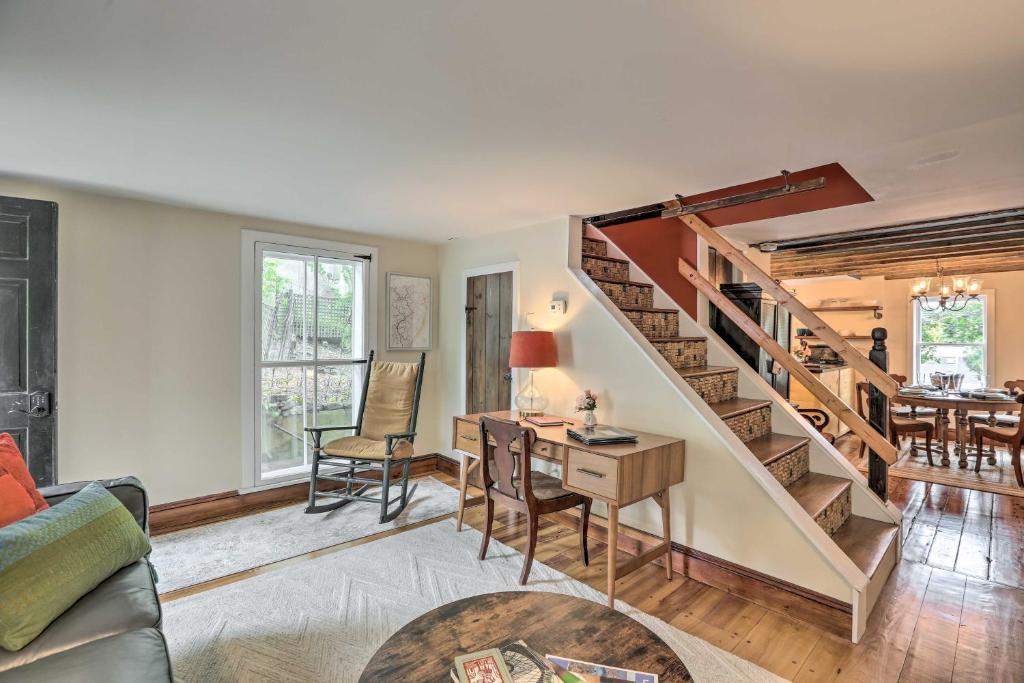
x=840, y=190
x=655, y=245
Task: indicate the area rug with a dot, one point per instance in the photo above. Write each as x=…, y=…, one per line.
x=998, y=478
x=193, y=556
x=322, y=620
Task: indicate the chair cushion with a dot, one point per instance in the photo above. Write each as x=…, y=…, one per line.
x=126, y=658
x=124, y=602
x=545, y=487
x=907, y=423
x=367, y=449
x=904, y=411
x=51, y=559
x=1001, y=420
x=389, y=397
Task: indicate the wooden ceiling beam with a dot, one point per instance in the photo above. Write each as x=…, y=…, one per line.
x=893, y=255
x=953, y=236
x=1011, y=260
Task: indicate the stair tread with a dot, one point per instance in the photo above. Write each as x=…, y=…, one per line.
x=620, y=282
x=771, y=447
x=865, y=541
x=668, y=340
x=702, y=370
x=645, y=309
x=737, y=406
x=815, y=491
x=606, y=258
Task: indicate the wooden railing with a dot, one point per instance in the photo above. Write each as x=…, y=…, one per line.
x=875, y=441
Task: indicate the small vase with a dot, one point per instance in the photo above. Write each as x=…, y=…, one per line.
x=588, y=418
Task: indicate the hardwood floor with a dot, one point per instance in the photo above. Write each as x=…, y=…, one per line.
x=953, y=610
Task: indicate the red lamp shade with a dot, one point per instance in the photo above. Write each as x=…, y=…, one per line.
x=533, y=349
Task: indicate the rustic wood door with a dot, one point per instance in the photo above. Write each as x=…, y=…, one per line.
x=488, y=337
x=28, y=319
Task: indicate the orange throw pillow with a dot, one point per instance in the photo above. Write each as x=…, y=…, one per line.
x=15, y=502
x=14, y=464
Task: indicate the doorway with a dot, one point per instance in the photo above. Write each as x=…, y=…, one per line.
x=490, y=320
x=28, y=331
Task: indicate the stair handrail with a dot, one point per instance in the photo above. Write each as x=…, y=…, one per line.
x=875, y=441
x=822, y=330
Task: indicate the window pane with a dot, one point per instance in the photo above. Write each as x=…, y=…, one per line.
x=285, y=395
x=340, y=333
x=339, y=389
x=954, y=327
x=287, y=313
x=949, y=359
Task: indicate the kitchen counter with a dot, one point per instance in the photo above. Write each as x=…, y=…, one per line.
x=840, y=381
x=827, y=367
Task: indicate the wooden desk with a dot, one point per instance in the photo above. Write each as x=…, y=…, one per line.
x=619, y=475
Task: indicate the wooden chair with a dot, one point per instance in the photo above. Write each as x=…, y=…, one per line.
x=1011, y=437
x=381, y=442
x=1009, y=419
x=913, y=412
x=819, y=419
x=508, y=479
x=898, y=424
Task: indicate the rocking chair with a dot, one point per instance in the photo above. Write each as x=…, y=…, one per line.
x=382, y=440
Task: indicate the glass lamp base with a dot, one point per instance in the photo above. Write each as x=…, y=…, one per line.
x=529, y=401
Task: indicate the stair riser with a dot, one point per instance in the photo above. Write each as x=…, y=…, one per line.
x=684, y=354
x=628, y=295
x=608, y=270
x=653, y=324
x=836, y=514
x=595, y=248
x=715, y=388
x=792, y=466
x=751, y=424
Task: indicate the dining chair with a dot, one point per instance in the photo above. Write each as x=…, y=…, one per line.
x=898, y=425
x=1009, y=419
x=910, y=411
x=1011, y=437
x=508, y=479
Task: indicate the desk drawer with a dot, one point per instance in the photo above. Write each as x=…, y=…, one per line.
x=546, y=450
x=467, y=436
x=592, y=473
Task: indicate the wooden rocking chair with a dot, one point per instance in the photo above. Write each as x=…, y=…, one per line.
x=382, y=439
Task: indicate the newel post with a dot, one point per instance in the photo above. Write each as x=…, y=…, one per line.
x=878, y=415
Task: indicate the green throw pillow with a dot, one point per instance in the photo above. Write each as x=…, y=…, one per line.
x=51, y=559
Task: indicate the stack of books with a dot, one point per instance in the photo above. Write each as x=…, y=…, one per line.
x=515, y=662
x=600, y=435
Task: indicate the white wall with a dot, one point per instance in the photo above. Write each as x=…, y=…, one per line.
x=149, y=305
x=719, y=509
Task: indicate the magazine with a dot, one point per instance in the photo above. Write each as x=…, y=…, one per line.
x=575, y=671
x=523, y=664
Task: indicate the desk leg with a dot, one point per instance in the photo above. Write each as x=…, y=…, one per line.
x=613, y=554
x=662, y=500
x=467, y=465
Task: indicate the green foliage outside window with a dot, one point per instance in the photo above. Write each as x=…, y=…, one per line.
x=960, y=327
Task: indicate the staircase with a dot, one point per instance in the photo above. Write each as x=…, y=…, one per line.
x=825, y=498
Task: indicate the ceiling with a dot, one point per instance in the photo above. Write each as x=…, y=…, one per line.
x=451, y=118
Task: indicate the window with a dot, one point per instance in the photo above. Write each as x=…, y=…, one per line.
x=311, y=332
x=953, y=342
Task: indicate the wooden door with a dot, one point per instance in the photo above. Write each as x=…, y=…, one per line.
x=488, y=337
x=28, y=315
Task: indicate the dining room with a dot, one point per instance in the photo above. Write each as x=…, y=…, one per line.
x=947, y=291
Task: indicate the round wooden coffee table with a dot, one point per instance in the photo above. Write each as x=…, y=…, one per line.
x=550, y=623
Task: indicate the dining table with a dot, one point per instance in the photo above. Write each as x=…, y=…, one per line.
x=961, y=405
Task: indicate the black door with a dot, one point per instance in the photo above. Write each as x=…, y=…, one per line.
x=28, y=321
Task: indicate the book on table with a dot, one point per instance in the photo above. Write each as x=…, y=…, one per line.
x=601, y=434
x=576, y=671
x=522, y=665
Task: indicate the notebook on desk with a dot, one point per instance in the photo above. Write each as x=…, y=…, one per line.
x=601, y=435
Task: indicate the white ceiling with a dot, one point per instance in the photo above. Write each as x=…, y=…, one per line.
x=440, y=118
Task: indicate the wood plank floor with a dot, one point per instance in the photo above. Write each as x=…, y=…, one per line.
x=953, y=610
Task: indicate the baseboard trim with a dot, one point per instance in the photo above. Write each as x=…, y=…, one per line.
x=448, y=466
x=183, y=514
x=767, y=591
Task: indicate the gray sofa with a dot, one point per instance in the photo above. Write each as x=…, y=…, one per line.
x=113, y=633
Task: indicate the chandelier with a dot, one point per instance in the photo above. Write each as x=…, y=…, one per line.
x=938, y=294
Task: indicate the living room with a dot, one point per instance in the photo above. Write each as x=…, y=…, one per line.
x=275, y=278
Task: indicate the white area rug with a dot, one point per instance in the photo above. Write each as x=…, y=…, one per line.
x=185, y=558
x=323, y=619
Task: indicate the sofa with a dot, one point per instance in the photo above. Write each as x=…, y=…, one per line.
x=111, y=634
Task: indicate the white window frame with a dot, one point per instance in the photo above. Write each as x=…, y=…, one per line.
x=989, y=296
x=253, y=243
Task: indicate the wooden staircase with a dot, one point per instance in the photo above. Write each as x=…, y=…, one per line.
x=827, y=499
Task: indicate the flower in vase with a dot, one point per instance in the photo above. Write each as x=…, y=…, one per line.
x=586, y=401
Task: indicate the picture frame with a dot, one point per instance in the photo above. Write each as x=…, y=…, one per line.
x=410, y=304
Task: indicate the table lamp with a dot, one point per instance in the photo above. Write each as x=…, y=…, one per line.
x=532, y=349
